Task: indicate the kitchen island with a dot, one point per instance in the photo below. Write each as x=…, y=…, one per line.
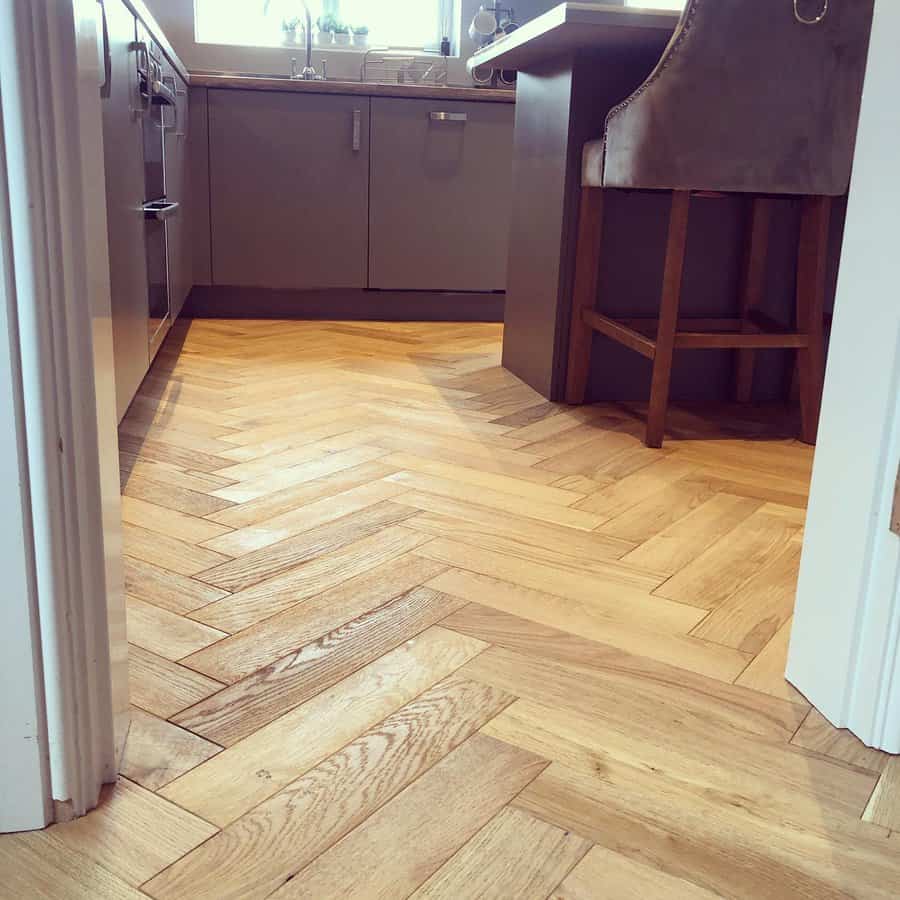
x=575, y=63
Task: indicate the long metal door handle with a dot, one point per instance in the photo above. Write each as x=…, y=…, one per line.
x=106, y=87
x=357, y=130
x=449, y=117
x=160, y=210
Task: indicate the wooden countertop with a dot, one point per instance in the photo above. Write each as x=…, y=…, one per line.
x=365, y=89
x=580, y=26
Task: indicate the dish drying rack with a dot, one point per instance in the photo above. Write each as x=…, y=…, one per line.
x=403, y=65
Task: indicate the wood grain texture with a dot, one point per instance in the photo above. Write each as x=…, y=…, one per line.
x=425, y=825
x=625, y=879
x=271, y=844
x=162, y=687
x=157, y=752
x=318, y=574
x=554, y=591
x=165, y=633
x=259, y=645
x=240, y=709
x=613, y=628
x=514, y=855
x=133, y=833
x=253, y=567
x=255, y=768
x=176, y=593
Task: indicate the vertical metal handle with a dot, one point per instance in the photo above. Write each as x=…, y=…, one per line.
x=357, y=130
x=106, y=87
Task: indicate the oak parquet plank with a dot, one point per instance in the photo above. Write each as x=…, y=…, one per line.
x=299, y=474
x=820, y=736
x=369, y=518
x=751, y=616
x=550, y=537
x=133, y=833
x=765, y=672
x=514, y=855
x=270, y=597
x=157, y=752
x=550, y=619
x=162, y=687
x=169, y=552
x=480, y=479
x=716, y=573
x=161, y=520
x=259, y=645
x=176, y=593
x=34, y=864
x=165, y=633
x=610, y=594
x=625, y=879
x=292, y=498
x=424, y=825
x=550, y=513
x=246, y=705
x=269, y=845
x=171, y=496
x=709, y=841
x=250, y=771
x=673, y=548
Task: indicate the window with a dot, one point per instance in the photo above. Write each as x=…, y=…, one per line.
x=397, y=23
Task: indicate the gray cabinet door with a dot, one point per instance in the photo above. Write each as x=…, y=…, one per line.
x=123, y=152
x=178, y=189
x=440, y=194
x=289, y=178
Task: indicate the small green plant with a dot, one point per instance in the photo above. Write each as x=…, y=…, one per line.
x=360, y=29
x=341, y=28
x=328, y=24
x=290, y=25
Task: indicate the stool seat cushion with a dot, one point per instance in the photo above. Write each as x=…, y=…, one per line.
x=745, y=99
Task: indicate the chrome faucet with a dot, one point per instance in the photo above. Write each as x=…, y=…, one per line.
x=308, y=72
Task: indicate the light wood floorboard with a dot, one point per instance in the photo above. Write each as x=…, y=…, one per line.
x=401, y=627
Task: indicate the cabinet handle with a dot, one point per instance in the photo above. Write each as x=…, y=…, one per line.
x=106, y=87
x=449, y=117
x=357, y=130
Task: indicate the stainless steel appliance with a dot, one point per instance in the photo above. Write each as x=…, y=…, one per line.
x=156, y=90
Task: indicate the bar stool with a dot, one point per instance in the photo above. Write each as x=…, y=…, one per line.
x=757, y=98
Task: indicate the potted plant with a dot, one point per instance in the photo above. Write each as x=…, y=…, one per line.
x=289, y=28
x=326, y=29
x=360, y=35
x=341, y=33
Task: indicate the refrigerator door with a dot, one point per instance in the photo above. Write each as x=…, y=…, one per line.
x=123, y=150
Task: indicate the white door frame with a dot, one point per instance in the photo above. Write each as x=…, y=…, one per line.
x=54, y=260
x=844, y=648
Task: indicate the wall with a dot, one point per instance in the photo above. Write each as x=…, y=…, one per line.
x=176, y=17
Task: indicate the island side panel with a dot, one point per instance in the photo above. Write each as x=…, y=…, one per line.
x=561, y=104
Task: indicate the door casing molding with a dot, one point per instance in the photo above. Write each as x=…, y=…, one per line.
x=50, y=211
x=844, y=647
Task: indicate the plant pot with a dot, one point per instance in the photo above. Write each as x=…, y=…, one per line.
x=342, y=40
x=360, y=40
x=289, y=38
x=324, y=38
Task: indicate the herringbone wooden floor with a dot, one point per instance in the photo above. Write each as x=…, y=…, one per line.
x=401, y=628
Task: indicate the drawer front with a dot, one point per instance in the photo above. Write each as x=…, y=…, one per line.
x=440, y=194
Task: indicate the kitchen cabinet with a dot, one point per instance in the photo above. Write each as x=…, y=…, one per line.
x=123, y=152
x=441, y=186
x=178, y=188
x=289, y=182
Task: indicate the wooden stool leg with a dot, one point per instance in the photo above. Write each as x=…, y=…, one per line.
x=811, y=271
x=753, y=281
x=584, y=294
x=668, y=318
